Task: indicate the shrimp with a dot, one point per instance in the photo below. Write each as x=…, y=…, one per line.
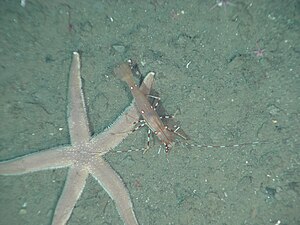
x=148, y=112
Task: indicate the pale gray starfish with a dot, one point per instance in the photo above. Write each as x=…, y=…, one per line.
x=84, y=155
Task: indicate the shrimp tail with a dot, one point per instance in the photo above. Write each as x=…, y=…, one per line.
x=124, y=72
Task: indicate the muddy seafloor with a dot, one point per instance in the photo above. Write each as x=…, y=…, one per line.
x=231, y=72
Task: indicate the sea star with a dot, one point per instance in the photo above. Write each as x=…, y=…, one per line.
x=83, y=156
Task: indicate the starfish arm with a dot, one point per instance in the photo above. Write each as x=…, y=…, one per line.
x=147, y=84
x=77, y=119
x=114, y=186
x=124, y=124
x=116, y=132
x=47, y=159
x=73, y=188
